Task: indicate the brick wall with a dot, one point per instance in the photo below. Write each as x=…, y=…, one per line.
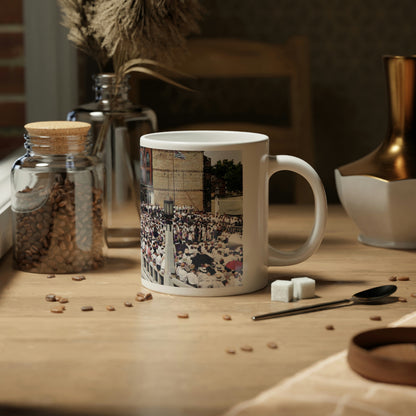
x=12, y=90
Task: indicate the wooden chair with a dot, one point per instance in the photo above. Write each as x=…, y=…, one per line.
x=223, y=58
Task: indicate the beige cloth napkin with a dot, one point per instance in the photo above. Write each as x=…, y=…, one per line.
x=331, y=388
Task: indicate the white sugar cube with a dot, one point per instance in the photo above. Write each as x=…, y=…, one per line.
x=282, y=290
x=303, y=287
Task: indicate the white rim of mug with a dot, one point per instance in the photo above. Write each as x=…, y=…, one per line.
x=197, y=139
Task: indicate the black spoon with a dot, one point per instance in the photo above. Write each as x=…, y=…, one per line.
x=366, y=296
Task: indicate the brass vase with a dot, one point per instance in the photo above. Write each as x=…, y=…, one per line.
x=378, y=191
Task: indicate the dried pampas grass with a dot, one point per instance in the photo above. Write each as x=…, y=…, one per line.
x=77, y=18
x=137, y=35
x=147, y=29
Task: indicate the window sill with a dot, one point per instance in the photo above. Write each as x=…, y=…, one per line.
x=6, y=239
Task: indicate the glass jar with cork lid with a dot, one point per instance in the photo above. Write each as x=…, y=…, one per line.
x=57, y=200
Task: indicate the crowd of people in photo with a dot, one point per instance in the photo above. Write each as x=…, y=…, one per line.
x=208, y=251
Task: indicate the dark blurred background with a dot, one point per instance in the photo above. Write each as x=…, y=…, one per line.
x=347, y=39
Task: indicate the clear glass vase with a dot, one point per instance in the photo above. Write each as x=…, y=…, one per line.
x=117, y=125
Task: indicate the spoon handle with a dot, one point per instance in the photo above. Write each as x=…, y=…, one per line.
x=297, y=311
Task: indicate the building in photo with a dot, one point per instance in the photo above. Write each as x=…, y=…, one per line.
x=177, y=176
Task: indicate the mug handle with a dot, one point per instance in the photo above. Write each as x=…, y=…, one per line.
x=299, y=166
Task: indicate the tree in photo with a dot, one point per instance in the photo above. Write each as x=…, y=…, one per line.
x=228, y=176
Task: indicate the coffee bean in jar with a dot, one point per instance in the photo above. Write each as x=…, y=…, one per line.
x=57, y=200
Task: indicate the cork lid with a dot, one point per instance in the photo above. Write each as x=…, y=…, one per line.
x=58, y=128
x=58, y=137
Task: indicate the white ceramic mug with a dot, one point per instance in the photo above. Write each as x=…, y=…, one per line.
x=204, y=212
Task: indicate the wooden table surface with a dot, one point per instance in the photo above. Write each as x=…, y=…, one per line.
x=144, y=360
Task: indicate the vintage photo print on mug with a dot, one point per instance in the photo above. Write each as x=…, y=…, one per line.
x=192, y=218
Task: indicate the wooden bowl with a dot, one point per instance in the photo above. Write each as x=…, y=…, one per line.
x=386, y=354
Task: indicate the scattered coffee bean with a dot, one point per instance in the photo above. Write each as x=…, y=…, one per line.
x=413, y=295
x=403, y=278
x=183, y=315
x=246, y=348
x=78, y=278
x=63, y=300
x=128, y=304
x=110, y=308
x=58, y=309
x=141, y=297
x=330, y=327
x=230, y=351
x=272, y=345
x=50, y=276
x=226, y=317
x=87, y=308
x=50, y=297
x=57, y=298
x=375, y=318
x=401, y=299
x=393, y=278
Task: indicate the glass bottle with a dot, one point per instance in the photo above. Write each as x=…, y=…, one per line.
x=117, y=125
x=57, y=198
